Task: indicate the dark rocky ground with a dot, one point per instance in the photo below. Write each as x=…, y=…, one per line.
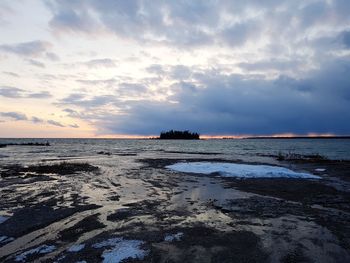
x=210, y=219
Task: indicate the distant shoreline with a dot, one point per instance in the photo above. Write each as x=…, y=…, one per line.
x=300, y=137
x=157, y=138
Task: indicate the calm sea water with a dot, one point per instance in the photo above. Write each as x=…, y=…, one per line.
x=247, y=149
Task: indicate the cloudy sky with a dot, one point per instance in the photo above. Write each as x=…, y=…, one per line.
x=95, y=68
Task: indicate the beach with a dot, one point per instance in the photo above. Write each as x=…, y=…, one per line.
x=129, y=201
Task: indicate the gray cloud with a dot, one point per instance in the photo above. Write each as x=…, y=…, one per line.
x=290, y=59
x=55, y=123
x=234, y=104
x=16, y=93
x=33, y=48
x=36, y=63
x=52, y=56
x=40, y=95
x=346, y=38
x=12, y=74
x=104, y=62
x=14, y=115
x=187, y=23
x=11, y=92
x=36, y=120
x=107, y=82
x=19, y=116
x=75, y=126
x=81, y=100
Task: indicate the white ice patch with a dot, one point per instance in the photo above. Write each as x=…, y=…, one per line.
x=76, y=248
x=121, y=249
x=239, y=170
x=320, y=169
x=43, y=249
x=6, y=239
x=3, y=219
x=176, y=237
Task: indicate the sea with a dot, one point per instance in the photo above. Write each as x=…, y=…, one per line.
x=258, y=150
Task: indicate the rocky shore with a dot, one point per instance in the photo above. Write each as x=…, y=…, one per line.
x=77, y=211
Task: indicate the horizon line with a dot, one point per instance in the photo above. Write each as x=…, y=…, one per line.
x=204, y=136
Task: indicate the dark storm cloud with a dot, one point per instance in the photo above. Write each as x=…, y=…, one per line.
x=233, y=104
x=33, y=48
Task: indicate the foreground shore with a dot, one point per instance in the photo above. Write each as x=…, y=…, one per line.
x=87, y=211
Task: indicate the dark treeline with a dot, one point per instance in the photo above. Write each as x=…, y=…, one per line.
x=179, y=135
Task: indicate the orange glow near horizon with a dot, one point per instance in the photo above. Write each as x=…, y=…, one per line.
x=204, y=136
x=282, y=135
x=208, y=137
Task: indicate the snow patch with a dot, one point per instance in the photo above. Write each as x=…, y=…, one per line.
x=43, y=249
x=320, y=169
x=121, y=249
x=239, y=170
x=173, y=237
x=76, y=248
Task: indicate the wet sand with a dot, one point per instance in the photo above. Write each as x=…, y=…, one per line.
x=78, y=211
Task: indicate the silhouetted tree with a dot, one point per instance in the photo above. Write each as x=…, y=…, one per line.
x=179, y=135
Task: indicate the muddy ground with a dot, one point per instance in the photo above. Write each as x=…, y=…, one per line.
x=77, y=211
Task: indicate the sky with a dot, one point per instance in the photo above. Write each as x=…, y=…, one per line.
x=115, y=68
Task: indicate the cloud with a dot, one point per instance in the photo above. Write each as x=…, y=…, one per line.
x=5, y=11
x=16, y=93
x=32, y=48
x=104, y=62
x=36, y=120
x=200, y=23
x=19, y=116
x=55, y=123
x=12, y=74
x=14, y=115
x=36, y=63
x=75, y=126
x=52, y=56
x=81, y=100
x=71, y=17
x=346, y=39
x=234, y=104
x=40, y=95
x=11, y=92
